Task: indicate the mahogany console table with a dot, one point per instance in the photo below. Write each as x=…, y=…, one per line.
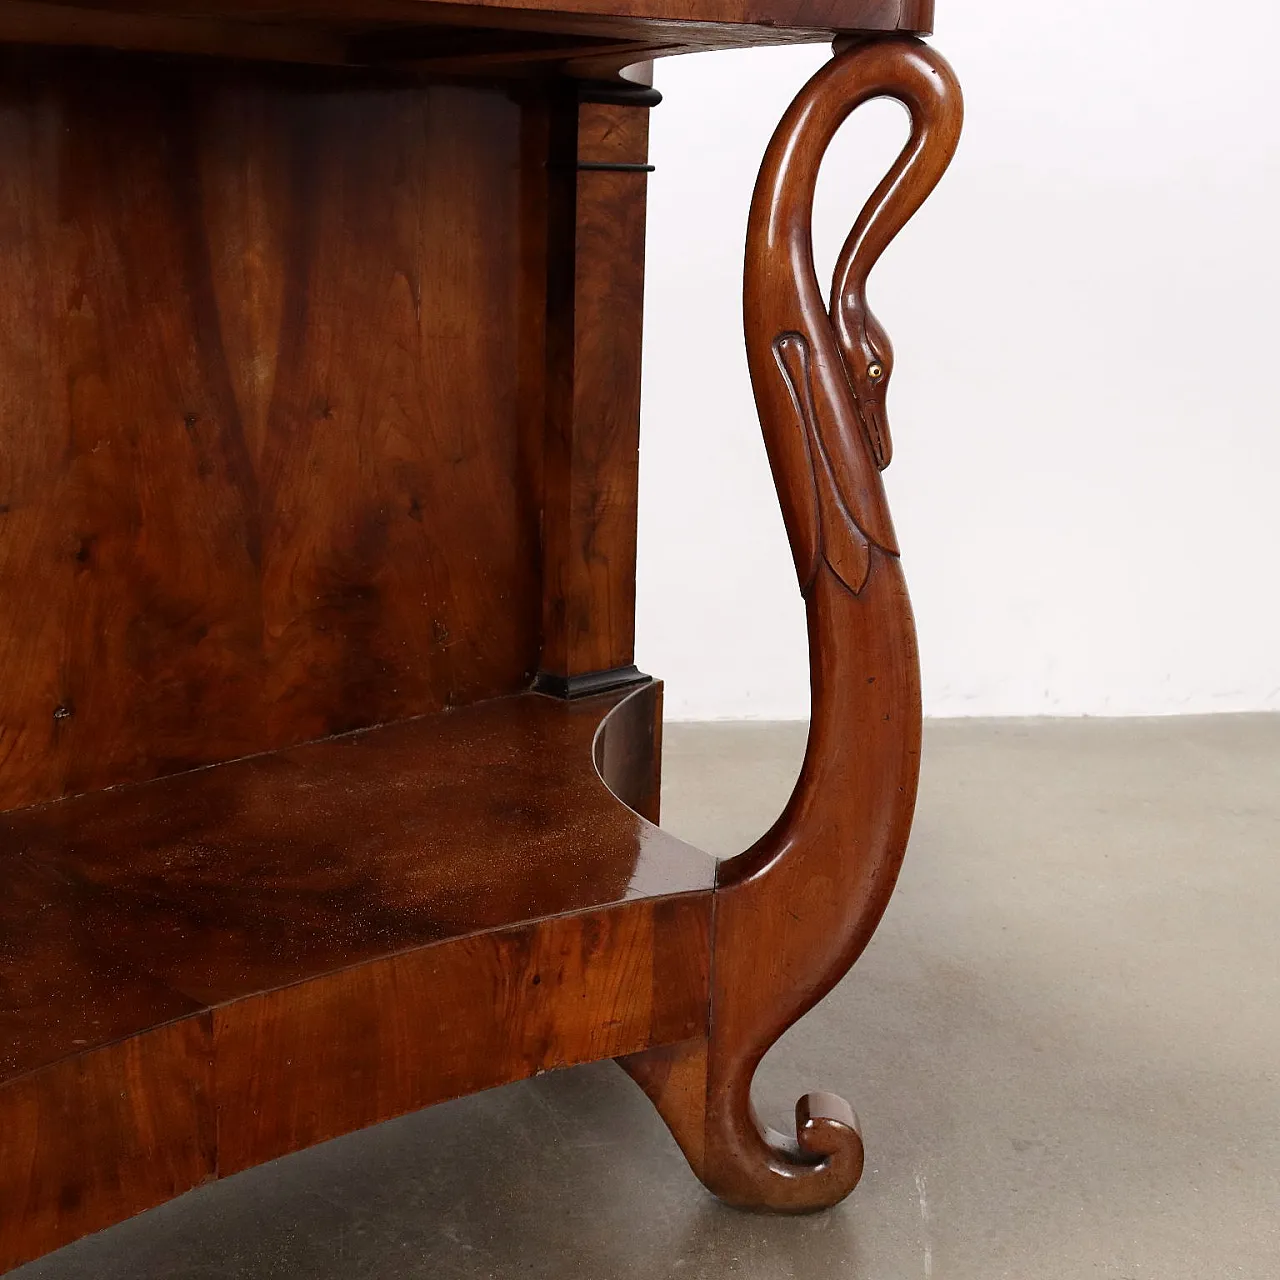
x=328, y=786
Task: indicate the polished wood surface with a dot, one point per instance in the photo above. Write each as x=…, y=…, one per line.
x=793, y=912
x=428, y=908
x=595, y=308
x=84, y=1144
x=264, y=476
x=207, y=887
x=582, y=38
x=628, y=752
x=319, y=405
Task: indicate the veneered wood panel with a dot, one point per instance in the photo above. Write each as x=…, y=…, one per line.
x=880, y=15
x=89, y=1141
x=262, y=474
x=96, y=1138
x=308, y=1063
x=628, y=751
x=593, y=424
x=589, y=38
x=64, y=987
x=301, y=943
x=132, y=906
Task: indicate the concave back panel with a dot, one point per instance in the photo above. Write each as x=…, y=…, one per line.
x=264, y=473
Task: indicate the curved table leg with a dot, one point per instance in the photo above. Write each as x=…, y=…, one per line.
x=793, y=913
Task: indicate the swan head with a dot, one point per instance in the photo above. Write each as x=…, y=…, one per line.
x=868, y=361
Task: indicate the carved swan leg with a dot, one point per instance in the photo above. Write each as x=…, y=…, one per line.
x=793, y=913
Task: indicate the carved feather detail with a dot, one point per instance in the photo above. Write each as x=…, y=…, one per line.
x=841, y=543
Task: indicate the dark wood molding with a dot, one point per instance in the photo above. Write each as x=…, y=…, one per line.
x=588, y=684
x=618, y=93
x=602, y=166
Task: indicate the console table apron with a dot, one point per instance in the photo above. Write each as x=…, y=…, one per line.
x=328, y=785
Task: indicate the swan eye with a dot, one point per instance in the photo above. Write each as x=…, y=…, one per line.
x=875, y=371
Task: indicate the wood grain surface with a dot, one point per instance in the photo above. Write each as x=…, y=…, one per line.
x=318, y=939
x=88, y=1142
x=493, y=37
x=262, y=472
x=595, y=313
x=318, y=441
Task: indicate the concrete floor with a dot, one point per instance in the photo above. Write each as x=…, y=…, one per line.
x=1064, y=1044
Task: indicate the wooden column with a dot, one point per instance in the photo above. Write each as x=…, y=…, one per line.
x=595, y=297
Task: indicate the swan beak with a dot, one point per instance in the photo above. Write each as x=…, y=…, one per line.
x=875, y=427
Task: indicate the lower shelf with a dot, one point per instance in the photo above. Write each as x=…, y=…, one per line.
x=205, y=972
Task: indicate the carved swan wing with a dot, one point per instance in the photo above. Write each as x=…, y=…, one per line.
x=820, y=377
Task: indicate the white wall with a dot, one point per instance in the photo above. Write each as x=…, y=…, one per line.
x=1085, y=406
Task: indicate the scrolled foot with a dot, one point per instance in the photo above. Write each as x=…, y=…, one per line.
x=764, y=1170
x=827, y=1132
x=733, y=1155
